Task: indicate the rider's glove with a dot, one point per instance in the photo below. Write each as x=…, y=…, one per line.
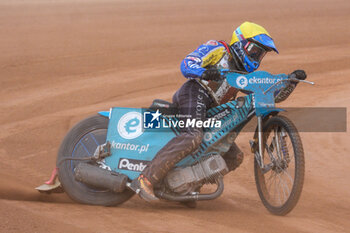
x=211, y=75
x=298, y=74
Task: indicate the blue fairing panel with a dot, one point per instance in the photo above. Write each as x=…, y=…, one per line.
x=104, y=113
x=262, y=84
x=266, y=112
x=133, y=143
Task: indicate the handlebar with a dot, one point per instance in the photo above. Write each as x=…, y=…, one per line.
x=300, y=80
x=293, y=77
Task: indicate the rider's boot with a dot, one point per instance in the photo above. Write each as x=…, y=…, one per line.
x=144, y=188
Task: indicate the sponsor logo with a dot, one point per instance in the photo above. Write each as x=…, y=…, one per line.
x=193, y=65
x=196, y=59
x=129, y=125
x=207, y=136
x=152, y=120
x=129, y=147
x=242, y=82
x=212, y=42
x=255, y=80
x=203, y=50
x=222, y=114
x=132, y=164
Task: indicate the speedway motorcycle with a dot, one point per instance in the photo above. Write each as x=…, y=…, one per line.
x=101, y=155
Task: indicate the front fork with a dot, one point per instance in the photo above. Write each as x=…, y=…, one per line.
x=259, y=153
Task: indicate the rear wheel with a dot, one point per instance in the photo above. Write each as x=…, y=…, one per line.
x=280, y=187
x=82, y=141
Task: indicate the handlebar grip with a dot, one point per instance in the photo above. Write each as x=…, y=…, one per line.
x=293, y=76
x=298, y=74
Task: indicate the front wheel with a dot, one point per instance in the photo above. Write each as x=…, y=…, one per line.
x=280, y=187
x=82, y=141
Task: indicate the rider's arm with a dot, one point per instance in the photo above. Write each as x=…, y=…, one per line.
x=194, y=64
x=230, y=94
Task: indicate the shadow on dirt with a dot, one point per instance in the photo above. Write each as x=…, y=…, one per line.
x=25, y=195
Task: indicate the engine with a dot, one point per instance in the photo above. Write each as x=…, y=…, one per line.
x=185, y=180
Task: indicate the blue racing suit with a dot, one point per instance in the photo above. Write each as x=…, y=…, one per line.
x=212, y=53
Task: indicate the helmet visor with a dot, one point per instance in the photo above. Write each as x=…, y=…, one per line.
x=254, y=51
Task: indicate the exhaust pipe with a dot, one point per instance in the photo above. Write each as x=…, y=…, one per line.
x=196, y=197
x=100, y=178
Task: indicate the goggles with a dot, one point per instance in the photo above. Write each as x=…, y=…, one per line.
x=254, y=51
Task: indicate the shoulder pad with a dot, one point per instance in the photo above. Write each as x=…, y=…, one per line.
x=212, y=43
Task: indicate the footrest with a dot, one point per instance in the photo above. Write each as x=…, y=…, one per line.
x=53, y=185
x=50, y=188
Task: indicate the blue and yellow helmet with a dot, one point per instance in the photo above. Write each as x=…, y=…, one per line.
x=250, y=42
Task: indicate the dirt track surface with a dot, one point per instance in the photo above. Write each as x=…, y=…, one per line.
x=61, y=61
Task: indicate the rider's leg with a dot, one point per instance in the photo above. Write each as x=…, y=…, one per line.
x=192, y=101
x=174, y=151
x=233, y=157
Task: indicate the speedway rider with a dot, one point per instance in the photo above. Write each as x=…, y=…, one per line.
x=205, y=89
